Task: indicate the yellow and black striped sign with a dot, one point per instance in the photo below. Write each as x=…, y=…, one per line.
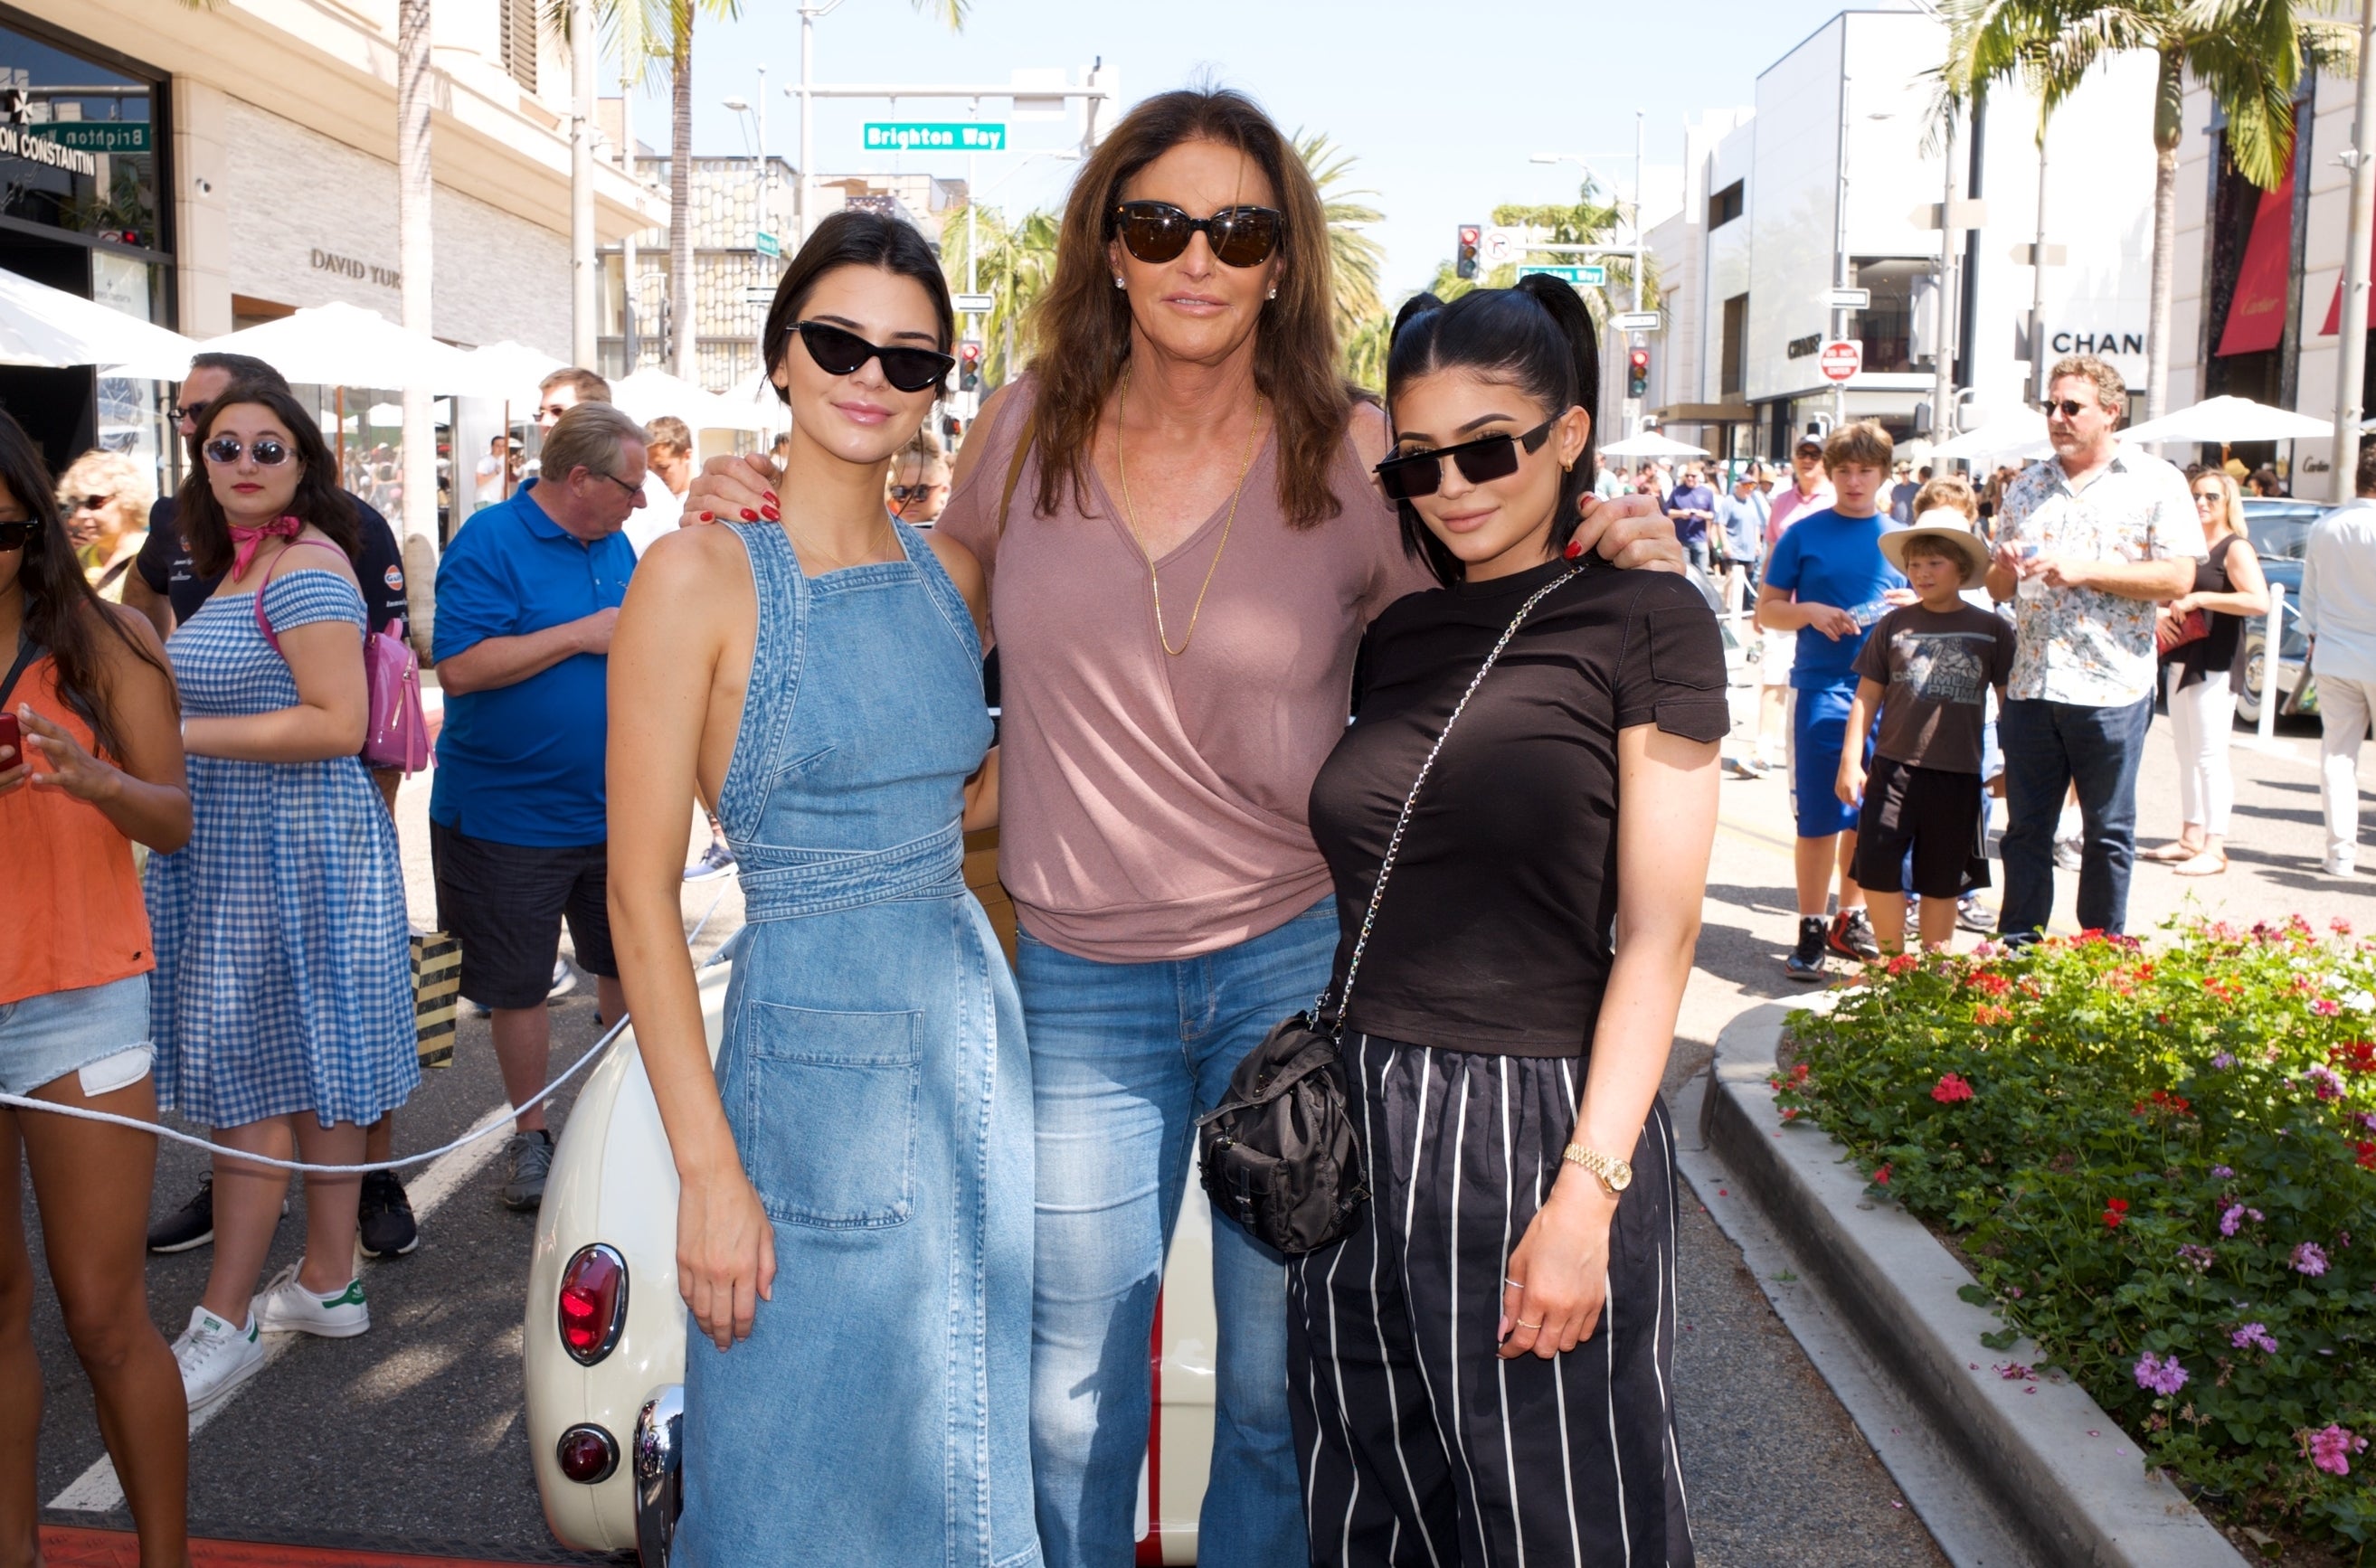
x=436, y=993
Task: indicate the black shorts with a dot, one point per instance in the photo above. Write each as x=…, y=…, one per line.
x=506, y=903
x=1938, y=815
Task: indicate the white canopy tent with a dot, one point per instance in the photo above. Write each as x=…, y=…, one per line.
x=2018, y=434
x=507, y=371
x=333, y=345
x=1650, y=444
x=44, y=326
x=648, y=394
x=2230, y=420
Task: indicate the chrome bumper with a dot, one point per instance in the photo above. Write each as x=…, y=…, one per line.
x=658, y=1478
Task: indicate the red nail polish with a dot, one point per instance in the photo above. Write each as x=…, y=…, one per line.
x=749, y=516
x=771, y=499
x=771, y=514
x=709, y=518
x=1575, y=548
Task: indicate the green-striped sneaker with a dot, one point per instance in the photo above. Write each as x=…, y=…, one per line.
x=215, y=1356
x=287, y=1307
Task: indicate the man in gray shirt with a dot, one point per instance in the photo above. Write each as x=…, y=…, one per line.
x=2338, y=614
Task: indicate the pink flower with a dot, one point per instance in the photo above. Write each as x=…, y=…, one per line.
x=2331, y=1450
x=2234, y=1217
x=2310, y=1258
x=2340, y=926
x=2202, y=1258
x=1951, y=1087
x=2253, y=1336
x=2327, y=1007
x=2324, y=1082
x=1881, y=1177
x=2163, y=1376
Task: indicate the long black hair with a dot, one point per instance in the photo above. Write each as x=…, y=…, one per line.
x=854, y=238
x=318, y=501
x=1540, y=338
x=62, y=613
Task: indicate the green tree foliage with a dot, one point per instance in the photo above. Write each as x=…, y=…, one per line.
x=1018, y=258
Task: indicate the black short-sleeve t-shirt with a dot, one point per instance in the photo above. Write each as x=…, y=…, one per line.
x=164, y=565
x=1937, y=668
x=1494, y=932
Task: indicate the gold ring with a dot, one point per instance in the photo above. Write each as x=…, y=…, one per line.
x=1524, y=1323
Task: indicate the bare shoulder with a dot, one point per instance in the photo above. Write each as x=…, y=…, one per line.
x=330, y=558
x=1368, y=429
x=137, y=628
x=690, y=563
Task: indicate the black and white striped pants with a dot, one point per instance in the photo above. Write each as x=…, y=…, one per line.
x=1419, y=1447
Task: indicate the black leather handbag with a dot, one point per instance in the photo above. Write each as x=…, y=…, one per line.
x=1278, y=1154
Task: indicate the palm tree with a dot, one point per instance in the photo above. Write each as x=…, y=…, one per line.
x=1018, y=260
x=1354, y=257
x=2249, y=54
x=1587, y=221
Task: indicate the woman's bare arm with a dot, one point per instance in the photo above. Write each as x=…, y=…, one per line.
x=664, y=661
x=144, y=792
x=333, y=708
x=1666, y=825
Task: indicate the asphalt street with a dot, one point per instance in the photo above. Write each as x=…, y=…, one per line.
x=413, y=1435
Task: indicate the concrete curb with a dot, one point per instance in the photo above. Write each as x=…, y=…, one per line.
x=2067, y=1479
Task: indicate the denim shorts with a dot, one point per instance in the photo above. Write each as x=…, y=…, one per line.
x=44, y=1038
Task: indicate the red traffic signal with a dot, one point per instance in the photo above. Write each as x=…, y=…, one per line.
x=969, y=365
x=1637, y=373
x=1465, y=259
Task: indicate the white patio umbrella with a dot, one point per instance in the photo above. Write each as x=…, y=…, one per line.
x=2231, y=420
x=648, y=394
x=338, y=345
x=2018, y=434
x=1650, y=444
x=46, y=326
x=508, y=370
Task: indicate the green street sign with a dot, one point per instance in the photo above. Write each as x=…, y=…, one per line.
x=766, y=243
x=933, y=135
x=1592, y=275
x=99, y=135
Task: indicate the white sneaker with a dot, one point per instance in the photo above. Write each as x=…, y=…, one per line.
x=216, y=1357
x=2338, y=865
x=287, y=1307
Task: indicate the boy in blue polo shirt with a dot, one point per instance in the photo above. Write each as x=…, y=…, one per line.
x=1829, y=582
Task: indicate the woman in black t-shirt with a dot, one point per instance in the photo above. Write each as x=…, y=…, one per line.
x=1484, y=1363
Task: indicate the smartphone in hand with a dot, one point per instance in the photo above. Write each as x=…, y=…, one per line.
x=12, y=735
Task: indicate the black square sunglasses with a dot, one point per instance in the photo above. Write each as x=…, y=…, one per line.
x=1412, y=474
x=838, y=353
x=1159, y=232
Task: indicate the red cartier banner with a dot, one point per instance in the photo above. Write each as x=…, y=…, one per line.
x=2256, y=313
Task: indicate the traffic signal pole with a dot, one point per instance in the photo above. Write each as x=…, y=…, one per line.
x=2360, y=228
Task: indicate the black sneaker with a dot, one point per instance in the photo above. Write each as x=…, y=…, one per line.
x=1806, y=961
x=192, y=1225
x=716, y=862
x=1851, y=936
x=384, y=1218
x=530, y=1160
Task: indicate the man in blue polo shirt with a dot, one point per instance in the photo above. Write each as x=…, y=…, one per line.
x=526, y=595
x=1828, y=581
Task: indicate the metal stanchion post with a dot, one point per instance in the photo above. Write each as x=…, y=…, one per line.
x=2273, y=638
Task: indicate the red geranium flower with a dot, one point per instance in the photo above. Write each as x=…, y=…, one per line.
x=1951, y=1087
x=2115, y=1211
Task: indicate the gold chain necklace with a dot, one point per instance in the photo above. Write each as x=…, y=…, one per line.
x=834, y=563
x=1130, y=518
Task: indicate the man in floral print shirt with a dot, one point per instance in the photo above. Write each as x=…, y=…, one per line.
x=2088, y=541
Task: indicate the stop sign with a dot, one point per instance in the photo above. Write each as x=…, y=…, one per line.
x=1841, y=359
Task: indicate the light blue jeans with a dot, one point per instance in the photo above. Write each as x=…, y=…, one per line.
x=1124, y=1057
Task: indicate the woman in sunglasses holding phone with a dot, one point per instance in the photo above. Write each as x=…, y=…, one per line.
x=1174, y=510
x=854, y=1212
x=1480, y=1369
x=90, y=765
x=282, y=1006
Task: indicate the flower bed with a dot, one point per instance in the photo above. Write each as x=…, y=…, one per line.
x=2155, y=1160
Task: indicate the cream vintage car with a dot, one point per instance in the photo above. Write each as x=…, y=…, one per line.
x=605, y=1328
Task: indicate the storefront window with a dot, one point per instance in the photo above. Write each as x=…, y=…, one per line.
x=78, y=145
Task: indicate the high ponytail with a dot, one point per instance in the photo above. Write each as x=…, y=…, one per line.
x=1537, y=336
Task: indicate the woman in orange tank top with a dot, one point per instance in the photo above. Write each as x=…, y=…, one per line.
x=91, y=762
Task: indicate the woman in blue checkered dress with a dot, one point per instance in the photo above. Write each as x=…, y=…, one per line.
x=282, y=1003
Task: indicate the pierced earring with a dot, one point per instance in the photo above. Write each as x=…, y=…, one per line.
x=1274, y=293
x=1118, y=282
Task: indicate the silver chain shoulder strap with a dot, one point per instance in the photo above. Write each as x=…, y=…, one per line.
x=1395, y=843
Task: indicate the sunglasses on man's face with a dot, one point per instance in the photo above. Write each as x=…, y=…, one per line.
x=1159, y=232
x=839, y=352
x=225, y=450
x=1412, y=474
x=189, y=413
x=911, y=492
x=2068, y=408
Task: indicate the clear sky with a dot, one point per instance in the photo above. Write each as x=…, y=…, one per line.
x=1441, y=102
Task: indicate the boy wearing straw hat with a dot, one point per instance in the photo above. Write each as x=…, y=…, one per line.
x=1927, y=666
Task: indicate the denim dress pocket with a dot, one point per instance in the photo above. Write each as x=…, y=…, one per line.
x=829, y=1104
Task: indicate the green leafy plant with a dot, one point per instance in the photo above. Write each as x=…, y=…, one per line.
x=2161, y=1164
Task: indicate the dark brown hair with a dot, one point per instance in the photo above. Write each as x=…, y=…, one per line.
x=318, y=501
x=853, y=238
x=1080, y=327
x=62, y=613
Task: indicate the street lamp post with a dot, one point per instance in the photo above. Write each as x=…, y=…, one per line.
x=2351, y=361
x=582, y=297
x=1583, y=161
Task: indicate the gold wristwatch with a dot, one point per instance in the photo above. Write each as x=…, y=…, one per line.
x=1614, y=1174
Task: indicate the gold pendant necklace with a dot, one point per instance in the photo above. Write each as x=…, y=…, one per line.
x=834, y=563
x=1130, y=520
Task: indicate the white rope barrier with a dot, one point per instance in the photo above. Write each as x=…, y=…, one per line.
x=79, y=1113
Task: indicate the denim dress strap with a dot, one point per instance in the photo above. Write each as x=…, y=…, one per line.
x=778, y=644
x=940, y=588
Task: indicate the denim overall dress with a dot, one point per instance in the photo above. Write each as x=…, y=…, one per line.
x=875, y=1077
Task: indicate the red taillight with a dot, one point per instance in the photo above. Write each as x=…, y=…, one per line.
x=588, y=1455
x=593, y=1302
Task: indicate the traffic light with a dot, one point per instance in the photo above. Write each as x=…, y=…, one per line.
x=1470, y=234
x=1637, y=374
x=969, y=365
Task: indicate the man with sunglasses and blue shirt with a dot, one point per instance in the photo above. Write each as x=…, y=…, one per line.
x=526, y=596
x=2088, y=542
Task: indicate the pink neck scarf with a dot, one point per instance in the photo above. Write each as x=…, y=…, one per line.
x=246, y=541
